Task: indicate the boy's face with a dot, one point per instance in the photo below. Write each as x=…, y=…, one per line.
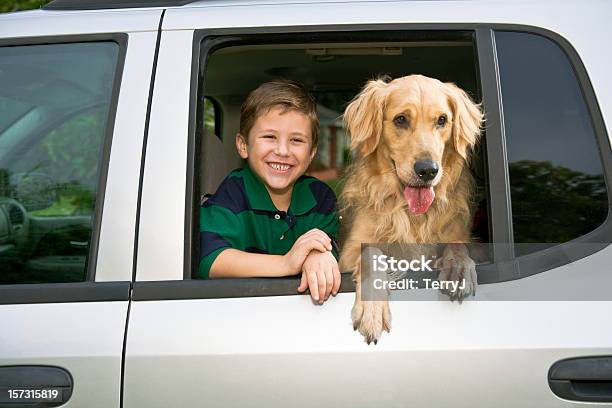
x=278, y=148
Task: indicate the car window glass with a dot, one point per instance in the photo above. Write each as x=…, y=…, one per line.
x=68, y=155
x=50, y=156
x=11, y=111
x=556, y=177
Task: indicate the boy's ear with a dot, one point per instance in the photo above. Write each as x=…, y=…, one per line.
x=313, y=152
x=241, y=146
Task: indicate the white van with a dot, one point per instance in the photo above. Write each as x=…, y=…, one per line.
x=117, y=117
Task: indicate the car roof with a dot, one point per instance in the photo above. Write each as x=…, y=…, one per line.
x=65, y=17
x=112, y=4
x=122, y=4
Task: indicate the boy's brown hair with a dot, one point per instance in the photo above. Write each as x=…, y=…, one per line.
x=289, y=95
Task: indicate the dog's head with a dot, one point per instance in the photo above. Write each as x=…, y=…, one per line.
x=416, y=127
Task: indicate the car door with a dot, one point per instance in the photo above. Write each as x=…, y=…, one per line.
x=73, y=104
x=256, y=342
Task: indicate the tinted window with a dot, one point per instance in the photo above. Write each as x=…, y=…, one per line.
x=556, y=176
x=58, y=97
x=11, y=111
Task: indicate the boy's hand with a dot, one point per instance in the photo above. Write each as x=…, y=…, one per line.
x=314, y=239
x=320, y=273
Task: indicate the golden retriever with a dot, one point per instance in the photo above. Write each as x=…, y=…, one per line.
x=410, y=182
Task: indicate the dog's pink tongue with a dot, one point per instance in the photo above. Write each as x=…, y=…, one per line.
x=419, y=198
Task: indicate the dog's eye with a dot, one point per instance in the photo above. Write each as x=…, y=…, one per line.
x=400, y=121
x=441, y=121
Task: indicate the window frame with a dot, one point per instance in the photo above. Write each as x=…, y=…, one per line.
x=506, y=266
x=87, y=290
x=204, y=43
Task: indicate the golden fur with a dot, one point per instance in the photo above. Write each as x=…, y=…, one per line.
x=386, y=153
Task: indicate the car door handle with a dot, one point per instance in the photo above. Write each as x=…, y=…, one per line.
x=79, y=244
x=587, y=379
x=34, y=386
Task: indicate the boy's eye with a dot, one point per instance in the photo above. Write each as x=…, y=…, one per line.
x=268, y=136
x=298, y=140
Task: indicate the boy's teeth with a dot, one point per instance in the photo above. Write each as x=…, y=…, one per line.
x=281, y=167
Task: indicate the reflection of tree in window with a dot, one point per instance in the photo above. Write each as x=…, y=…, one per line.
x=553, y=204
x=557, y=188
x=70, y=155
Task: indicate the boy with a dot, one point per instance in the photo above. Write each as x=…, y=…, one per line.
x=268, y=219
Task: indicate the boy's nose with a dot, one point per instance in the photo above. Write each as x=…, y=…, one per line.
x=282, y=148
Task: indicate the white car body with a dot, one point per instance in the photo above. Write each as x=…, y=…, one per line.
x=275, y=351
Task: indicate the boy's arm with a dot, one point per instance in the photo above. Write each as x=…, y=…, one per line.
x=233, y=263
x=220, y=230
x=320, y=271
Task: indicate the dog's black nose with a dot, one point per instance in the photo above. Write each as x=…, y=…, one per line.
x=426, y=169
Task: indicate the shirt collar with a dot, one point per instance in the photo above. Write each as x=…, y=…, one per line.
x=302, y=198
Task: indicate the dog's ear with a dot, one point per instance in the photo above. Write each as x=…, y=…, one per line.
x=364, y=117
x=467, y=119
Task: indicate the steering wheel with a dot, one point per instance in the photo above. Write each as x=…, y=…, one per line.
x=15, y=216
x=34, y=190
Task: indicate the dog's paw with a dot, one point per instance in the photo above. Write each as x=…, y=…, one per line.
x=371, y=318
x=457, y=277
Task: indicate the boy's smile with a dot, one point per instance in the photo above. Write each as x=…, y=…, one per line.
x=278, y=150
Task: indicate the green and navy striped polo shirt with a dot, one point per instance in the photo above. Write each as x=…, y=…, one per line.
x=241, y=215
